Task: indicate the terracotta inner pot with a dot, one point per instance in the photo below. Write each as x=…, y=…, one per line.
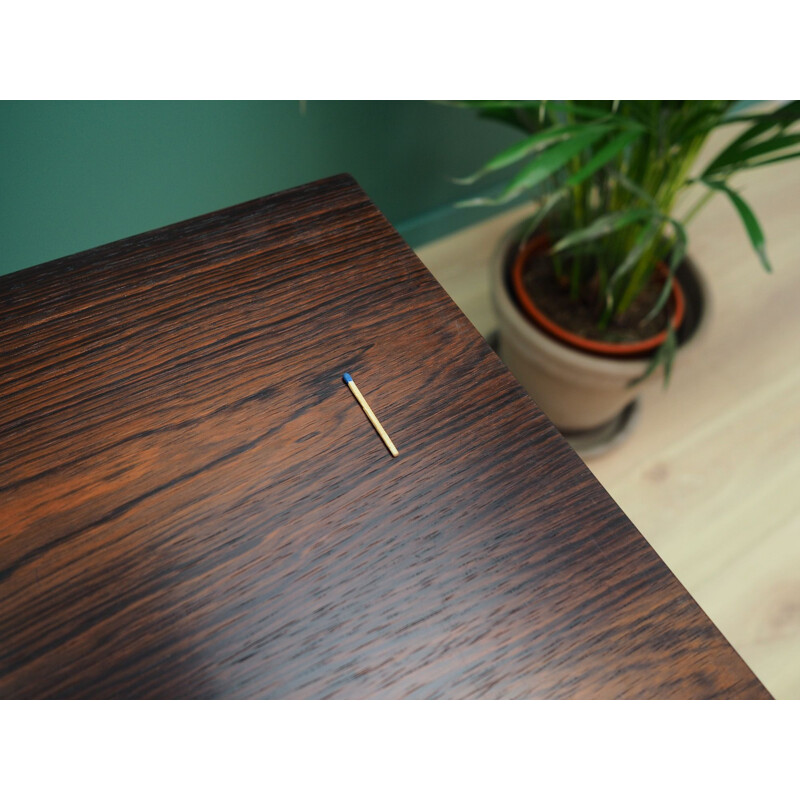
x=535, y=314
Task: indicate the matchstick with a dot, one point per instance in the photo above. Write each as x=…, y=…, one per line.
x=368, y=411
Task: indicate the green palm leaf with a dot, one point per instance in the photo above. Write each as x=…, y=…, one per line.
x=526, y=147
x=643, y=240
x=665, y=355
x=604, y=155
x=782, y=117
x=544, y=165
x=602, y=226
x=546, y=207
x=730, y=160
x=763, y=163
x=748, y=219
x=677, y=256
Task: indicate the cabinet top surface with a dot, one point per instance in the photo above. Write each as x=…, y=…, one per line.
x=194, y=505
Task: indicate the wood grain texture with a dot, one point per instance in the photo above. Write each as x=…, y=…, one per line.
x=193, y=505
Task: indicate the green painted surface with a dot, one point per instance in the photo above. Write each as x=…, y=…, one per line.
x=74, y=175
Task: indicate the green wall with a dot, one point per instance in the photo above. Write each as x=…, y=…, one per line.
x=78, y=174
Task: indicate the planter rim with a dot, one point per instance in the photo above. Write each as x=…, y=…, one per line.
x=535, y=314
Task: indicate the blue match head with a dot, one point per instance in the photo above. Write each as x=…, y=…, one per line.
x=347, y=378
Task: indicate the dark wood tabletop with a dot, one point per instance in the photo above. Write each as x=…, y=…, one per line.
x=192, y=503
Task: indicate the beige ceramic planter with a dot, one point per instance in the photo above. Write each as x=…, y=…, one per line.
x=577, y=391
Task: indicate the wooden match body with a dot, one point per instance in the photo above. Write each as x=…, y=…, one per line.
x=368, y=411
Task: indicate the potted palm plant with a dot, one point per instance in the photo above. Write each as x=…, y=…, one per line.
x=586, y=292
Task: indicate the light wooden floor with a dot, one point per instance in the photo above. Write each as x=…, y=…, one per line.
x=711, y=475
